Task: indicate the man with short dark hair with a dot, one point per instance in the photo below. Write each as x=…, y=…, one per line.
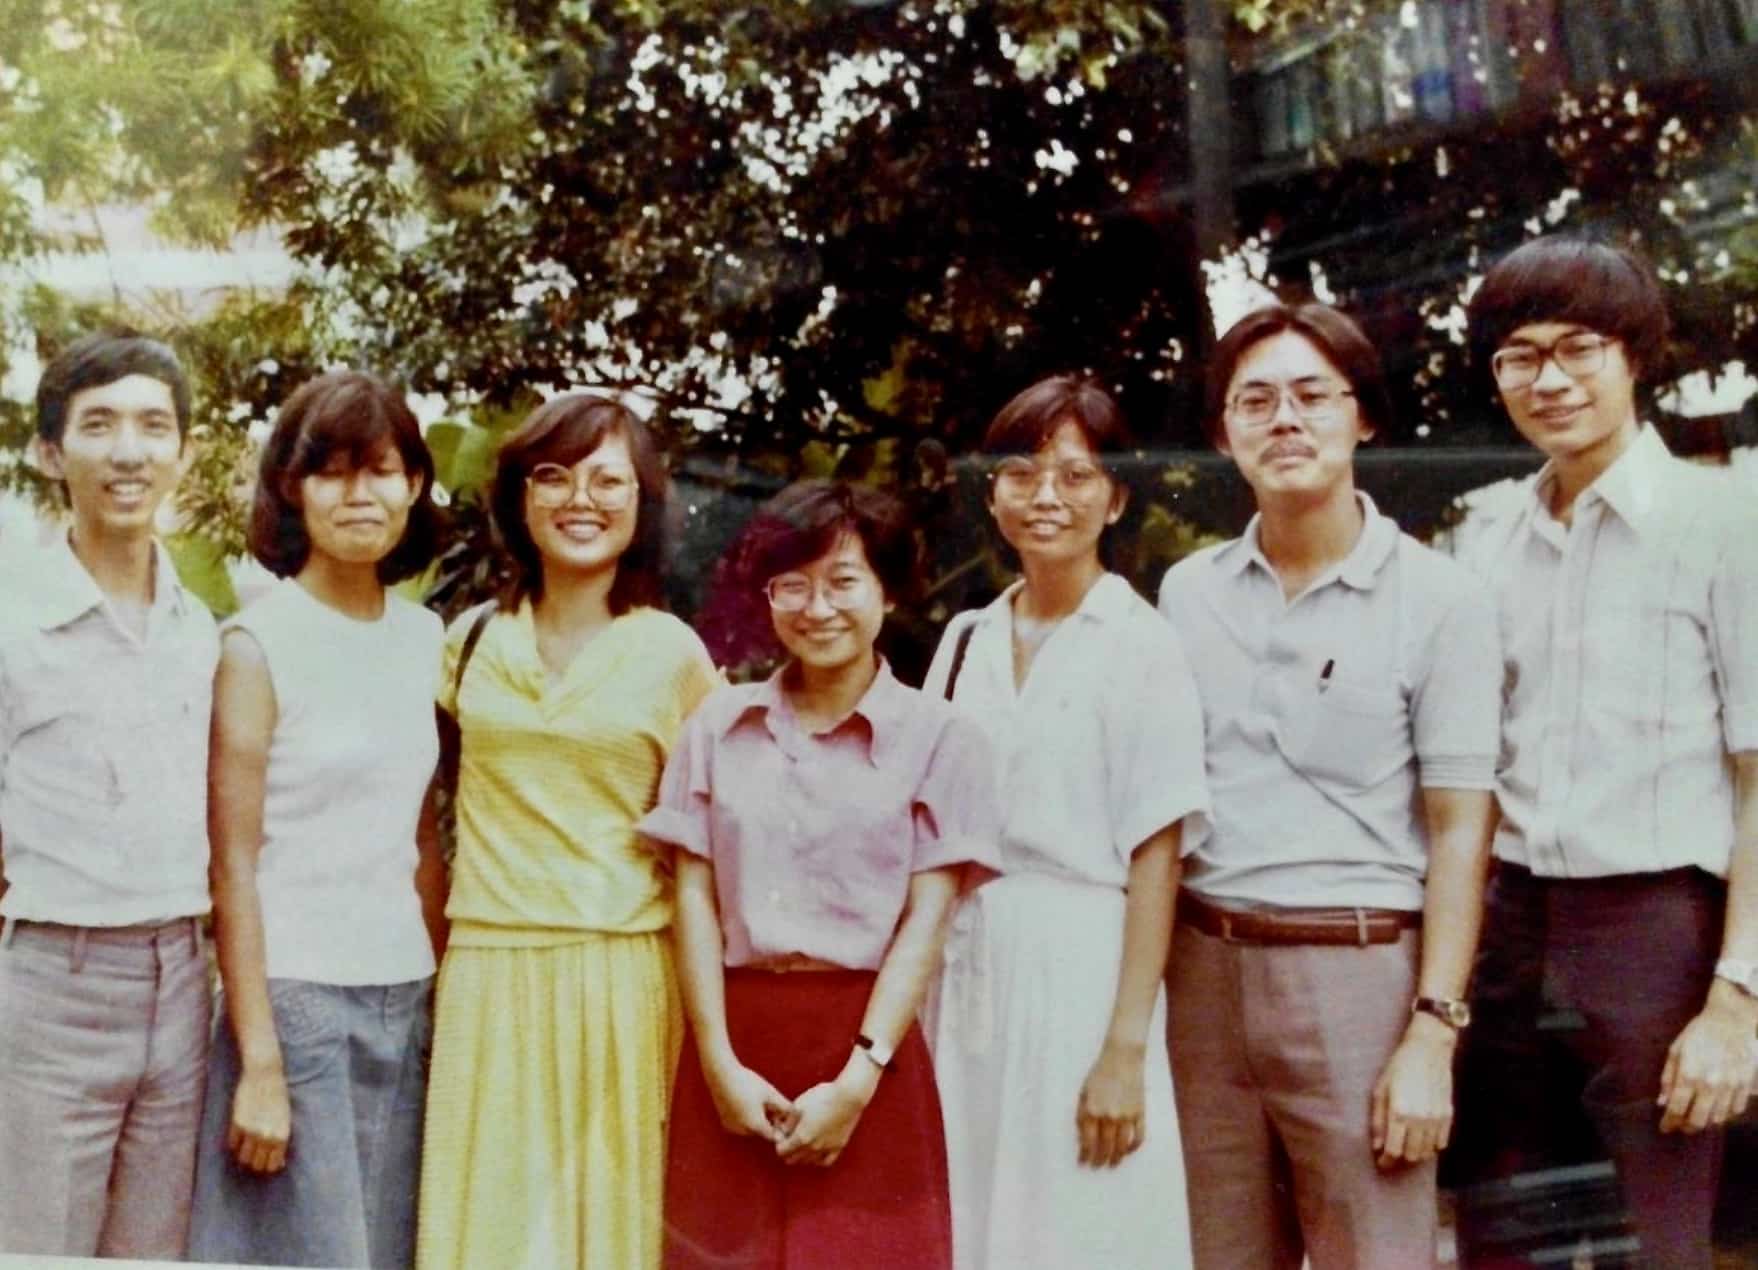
x=106, y=673
x=1348, y=678
x=1623, y=915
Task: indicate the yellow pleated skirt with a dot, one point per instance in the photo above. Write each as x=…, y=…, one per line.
x=547, y=1105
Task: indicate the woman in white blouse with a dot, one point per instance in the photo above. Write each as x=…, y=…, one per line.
x=1062, y=1140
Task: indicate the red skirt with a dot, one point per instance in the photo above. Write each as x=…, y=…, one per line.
x=730, y=1202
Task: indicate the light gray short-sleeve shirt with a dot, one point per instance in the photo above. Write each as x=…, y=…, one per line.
x=103, y=747
x=1631, y=640
x=1324, y=716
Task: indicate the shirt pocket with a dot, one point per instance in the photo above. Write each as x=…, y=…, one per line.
x=1650, y=663
x=1352, y=735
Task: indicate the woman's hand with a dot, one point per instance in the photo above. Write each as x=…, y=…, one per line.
x=749, y=1105
x=828, y=1113
x=1112, y=1108
x=262, y=1121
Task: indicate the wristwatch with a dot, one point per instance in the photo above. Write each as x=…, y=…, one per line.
x=873, y=1050
x=1455, y=1014
x=1739, y=972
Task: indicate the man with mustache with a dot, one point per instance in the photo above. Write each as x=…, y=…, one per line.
x=1622, y=920
x=106, y=675
x=1349, y=686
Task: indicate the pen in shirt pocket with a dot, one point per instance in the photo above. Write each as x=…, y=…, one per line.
x=1324, y=676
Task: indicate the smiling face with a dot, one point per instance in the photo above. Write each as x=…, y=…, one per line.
x=358, y=514
x=1055, y=513
x=1305, y=450
x=1588, y=419
x=120, y=454
x=842, y=606
x=580, y=534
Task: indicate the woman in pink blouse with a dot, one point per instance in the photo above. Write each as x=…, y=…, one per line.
x=823, y=823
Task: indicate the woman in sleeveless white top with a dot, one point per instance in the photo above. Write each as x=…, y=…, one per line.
x=328, y=884
x=1062, y=1138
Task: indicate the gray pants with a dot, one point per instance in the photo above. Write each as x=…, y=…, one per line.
x=1275, y=1051
x=103, y=1051
x=355, y=1062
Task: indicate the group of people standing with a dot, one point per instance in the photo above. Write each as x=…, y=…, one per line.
x=1133, y=938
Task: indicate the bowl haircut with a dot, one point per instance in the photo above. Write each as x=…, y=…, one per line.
x=564, y=430
x=1027, y=422
x=1606, y=289
x=1329, y=330
x=351, y=413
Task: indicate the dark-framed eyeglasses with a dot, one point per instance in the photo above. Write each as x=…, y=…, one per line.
x=1578, y=355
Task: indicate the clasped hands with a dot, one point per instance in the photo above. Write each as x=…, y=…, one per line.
x=811, y=1129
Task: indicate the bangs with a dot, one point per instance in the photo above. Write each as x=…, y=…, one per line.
x=1026, y=424
x=1588, y=290
x=777, y=544
x=352, y=419
x=575, y=431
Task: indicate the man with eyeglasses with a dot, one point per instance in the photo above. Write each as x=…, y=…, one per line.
x=1325, y=931
x=1622, y=920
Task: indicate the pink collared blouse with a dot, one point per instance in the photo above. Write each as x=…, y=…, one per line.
x=814, y=836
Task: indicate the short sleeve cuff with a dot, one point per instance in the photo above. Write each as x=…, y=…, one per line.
x=1191, y=806
x=1739, y=725
x=1457, y=771
x=675, y=828
x=980, y=856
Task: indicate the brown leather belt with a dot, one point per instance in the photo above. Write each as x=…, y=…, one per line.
x=1354, y=926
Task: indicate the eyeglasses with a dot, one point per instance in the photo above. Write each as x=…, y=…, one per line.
x=793, y=592
x=1577, y=355
x=1314, y=402
x=610, y=488
x=1020, y=479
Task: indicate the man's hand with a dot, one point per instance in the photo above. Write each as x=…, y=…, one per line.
x=1411, y=1117
x=1710, y=1065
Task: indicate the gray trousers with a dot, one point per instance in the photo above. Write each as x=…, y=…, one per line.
x=103, y=1053
x=1275, y=1051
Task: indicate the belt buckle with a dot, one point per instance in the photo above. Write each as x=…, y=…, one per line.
x=1226, y=926
x=1361, y=927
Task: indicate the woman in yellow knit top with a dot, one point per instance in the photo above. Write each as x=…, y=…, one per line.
x=557, y=1021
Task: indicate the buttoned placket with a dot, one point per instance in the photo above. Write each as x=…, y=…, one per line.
x=1563, y=671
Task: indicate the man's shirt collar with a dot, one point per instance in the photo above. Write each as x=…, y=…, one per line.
x=1359, y=569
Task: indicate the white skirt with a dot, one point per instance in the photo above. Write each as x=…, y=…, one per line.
x=1017, y=1020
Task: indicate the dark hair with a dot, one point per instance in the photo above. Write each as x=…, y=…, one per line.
x=1607, y=289
x=343, y=412
x=1027, y=422
x=565, y=430
x=102, y=358
x=1331, y=331
x=806, y=519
